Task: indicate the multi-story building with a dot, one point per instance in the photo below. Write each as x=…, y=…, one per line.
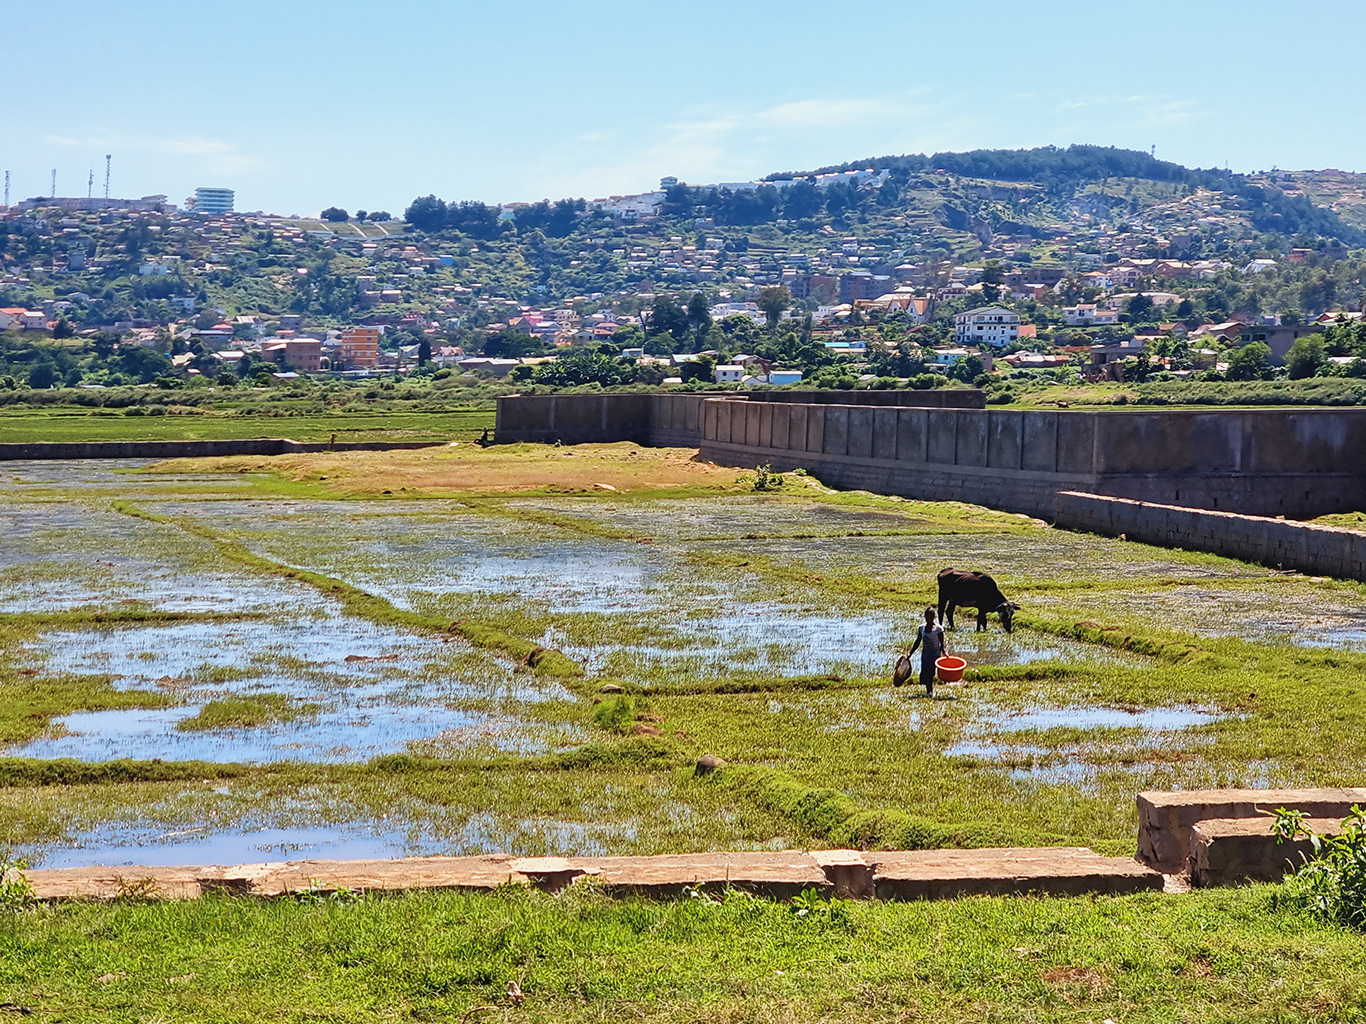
x=303, y=355
x=992, y=325
x=360, y=347
x=213, y=200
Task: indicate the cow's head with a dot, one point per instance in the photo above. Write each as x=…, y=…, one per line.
x=1007, y=613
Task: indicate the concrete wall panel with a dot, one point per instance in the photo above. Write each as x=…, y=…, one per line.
x=970, y=442
x=1005, y=440
x=1076, y=442
x=860, y=442
x=815, y=428
x=884, y=433
x=797, y=425
x=836, y=439
x=912, y=435
x=1040, y=441
x=942, y=446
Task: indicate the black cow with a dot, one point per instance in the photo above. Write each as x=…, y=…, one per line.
x=960, y=589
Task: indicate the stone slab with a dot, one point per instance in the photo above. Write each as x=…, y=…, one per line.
x=781, y=875
x=1165, y=818
x=275, y=879
x=1050, y=871
x=778, y=874
x=1226, y=851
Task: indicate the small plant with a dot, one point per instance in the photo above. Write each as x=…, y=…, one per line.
x=765, y=479
x=616, y=714
x=316, y=892
x=812, y=907
x=1331, y=884
x=16, y=891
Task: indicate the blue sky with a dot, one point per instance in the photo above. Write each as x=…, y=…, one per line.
x=299, y=104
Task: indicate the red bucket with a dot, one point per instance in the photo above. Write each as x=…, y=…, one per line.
x=950, y=669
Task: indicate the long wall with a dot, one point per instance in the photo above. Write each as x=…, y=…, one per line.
x=673, y=420
x=1304, y=547
x=1297, y=463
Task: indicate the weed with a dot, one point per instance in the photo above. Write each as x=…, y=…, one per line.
x=1331, y=884
x=765, y=479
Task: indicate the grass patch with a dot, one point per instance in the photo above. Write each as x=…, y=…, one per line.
x=28, y=704
x=1220, y=955
x=246, y=712
x=623, y=467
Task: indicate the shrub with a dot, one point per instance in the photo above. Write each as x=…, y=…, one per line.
x=1331, y=885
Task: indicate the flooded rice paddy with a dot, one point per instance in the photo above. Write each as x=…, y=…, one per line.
x=669, y=596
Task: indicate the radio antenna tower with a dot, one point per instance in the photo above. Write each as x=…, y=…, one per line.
x=107, y=157
x=90, y=185
x=7, y=188
x=54, y=183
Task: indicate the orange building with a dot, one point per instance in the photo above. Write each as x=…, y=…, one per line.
x=360, y=347
x=303, y=355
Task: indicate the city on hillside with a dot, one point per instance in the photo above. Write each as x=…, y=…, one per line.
x=981, y=268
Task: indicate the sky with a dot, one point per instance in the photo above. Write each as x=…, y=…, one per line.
x=301, y=104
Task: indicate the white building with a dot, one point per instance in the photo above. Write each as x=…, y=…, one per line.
x=993, y=325
x=213, y=200
x=1088, y=313
x=729, y=374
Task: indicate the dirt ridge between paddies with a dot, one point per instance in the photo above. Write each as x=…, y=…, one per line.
x=369, y=606
x=468, y=469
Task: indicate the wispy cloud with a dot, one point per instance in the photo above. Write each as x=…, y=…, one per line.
x=210, y=155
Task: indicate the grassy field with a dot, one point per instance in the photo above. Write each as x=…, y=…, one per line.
x=68, y=424
x=1222, y=956
x=500, y=590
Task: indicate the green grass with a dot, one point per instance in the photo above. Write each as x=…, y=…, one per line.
x=68, y=424
x=246, y=712
x=1212, y=956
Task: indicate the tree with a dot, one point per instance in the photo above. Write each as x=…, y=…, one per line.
x=361, y=215
x=667, y=316
x=584, y=367
x=1140, y=307
x=802, y=199
x=699, y=313
x=772, y=301
x=62, y=328
x=1251, y=362
x=42, y=376
x=380, y=216
x=427, y=213
x=335, y=215
x=1305, y=357
x=424, y=352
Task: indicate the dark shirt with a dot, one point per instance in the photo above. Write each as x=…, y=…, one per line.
x=933, y=643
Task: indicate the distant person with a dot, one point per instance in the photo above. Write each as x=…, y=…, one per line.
x=930, y=639
x=485, y=441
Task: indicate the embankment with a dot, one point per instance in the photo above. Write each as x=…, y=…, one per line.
x=62, y=450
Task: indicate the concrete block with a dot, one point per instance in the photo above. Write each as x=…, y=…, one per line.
x=815, y=428
x=1053, y=871
x=779, y=436
x=1005, y=440
x=780, y=875
x=798, y=425
x=1226, y=851
x=1165, y=819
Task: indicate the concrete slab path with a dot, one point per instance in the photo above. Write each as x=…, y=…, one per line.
x=930, y=874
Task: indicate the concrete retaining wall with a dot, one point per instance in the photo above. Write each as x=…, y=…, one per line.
x=1304, y=547
x=189, y=449
x=1296, y=463
x=674, y=420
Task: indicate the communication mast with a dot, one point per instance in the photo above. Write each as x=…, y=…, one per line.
x=107, y=157
x=90, y=185
x=7, y=188
x=54, y=183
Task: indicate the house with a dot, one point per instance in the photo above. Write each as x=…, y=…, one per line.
x=12, y=316
x=1036, y=360
x=1259, y=266
x=1230, y=331
x=1086, y=314
x=728, y=374
x=1115, y=352
x=943, y=358
x=1276, y=337
x=993, y=325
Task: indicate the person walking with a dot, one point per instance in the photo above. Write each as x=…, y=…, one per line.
x=930, y=639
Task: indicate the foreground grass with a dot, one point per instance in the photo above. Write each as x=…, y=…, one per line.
x=1217, y=956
